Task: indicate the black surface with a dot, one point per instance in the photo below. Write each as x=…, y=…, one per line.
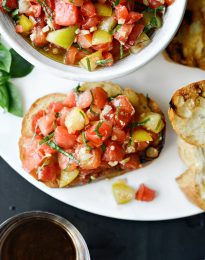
x=108, y=239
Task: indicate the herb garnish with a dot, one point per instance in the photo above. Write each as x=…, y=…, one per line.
x=103, y=147
x=46, y=8
x=97, y=129
x=92, y=103
x=81, y=49
x=88, y=64
x=121, y=51
x=135, y=124
x=154, y=23
x=45, y=163
x=46, y=138
x=117, y=2
x=85, y=141
x=5, y=7
x=103, y=62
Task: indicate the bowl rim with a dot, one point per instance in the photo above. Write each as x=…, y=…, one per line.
x=118, y=70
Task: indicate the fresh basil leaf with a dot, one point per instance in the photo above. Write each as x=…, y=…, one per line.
x=5, y=58
x=15, y=100
x=4, y=97
x=19, y=66
x=4, y=77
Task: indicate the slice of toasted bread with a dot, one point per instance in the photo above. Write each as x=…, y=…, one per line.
x=187, y=113
x=139, y=101
x=189, y=183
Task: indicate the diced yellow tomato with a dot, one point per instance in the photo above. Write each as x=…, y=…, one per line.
x=26, y=24
x=103, y=9
x=67, y=177
x=100, y=37
x=141, y=135
x=89, y=61
x=122, y=192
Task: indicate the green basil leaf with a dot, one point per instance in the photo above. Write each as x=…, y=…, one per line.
x=4, y=77
x=4, y=97
x=19, y=66
x=15, y=100
x=5, y=58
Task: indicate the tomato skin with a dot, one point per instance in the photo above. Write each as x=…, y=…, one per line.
x=133, y=163
x=88, y=9
x=95, y=115
x=55, y=107
x=141, y=146
x=90, y=22
x=104, y=46
x=62, y=115
x=45, y=149
x=136, y=32
x=85, y=99
x=123, y=33
x=100, y=97
x=65, y=14
x=121, y=12
x=70, y=57
x=75, y=2
x=104, y=130
x=63, y=138
x=169, y=2
x=114, y=152
x=155, y=3
x=145, y=194
x=35, y=118
x=70, y=100
x=65, y=162
x=133, y=17
x=85, y=41
x=49, y=172
x=46, y=124
x=34, y=10
x=39, y=37
x=118, y=135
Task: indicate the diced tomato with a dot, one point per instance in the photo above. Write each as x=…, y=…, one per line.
x=65, y=162
x=85, y=41
x=63, y=138
x=90, y=22
x=46, y=124
x=70, y=57
x=123, y=33
x=136, y=32
x=55, y=107
x=35, y=119
x=121, y=13
x=93, y=160
x=62, y=115
x=34, y=10
x=81, y=54
x=11, y=4
x=133, y=17
x=100, y=97
x=45, y=149
x=93, y=113
x=155, y=3
x=85, y=99
x=169, y=2
x=118, y=134
x=49, y=172
x=39, y=37
x=98, y=136
x=140, y=146
x=70, y=100
x=65, y=13
x=75, y=2
x=88, y=9
x=145, y=194
x=108, y=56
x=133, y=163
x=19, y=28
x=104, y=46
x=124, y=110
x=114, y=152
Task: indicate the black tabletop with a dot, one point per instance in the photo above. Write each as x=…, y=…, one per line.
x=107, y=238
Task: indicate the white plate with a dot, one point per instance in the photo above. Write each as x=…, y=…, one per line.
x=159, y=79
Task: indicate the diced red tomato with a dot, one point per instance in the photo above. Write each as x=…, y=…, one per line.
x=133, y=163
x=85, y=99
x=70, y=100
x=97, y=137
x=49, y=172
x=93, y=113
x=62, y=115
x=114, y=152
x=140, y=146
x=63, y=138
x=145, y=194
x=65, y=162
x=35, y=119
x=118, y=134
x=19, y=28
x=55, y=107
x=155, y=3
x=103, y=47
x=70, y=57
x=46, y=124
x=34, y=10
x=133, y=17
x=85, y=41
x=90, y=22
x=108, y=56
x=169, y=2
x=100, y=97
x=123, y=33
x=39, y=37
x=136, y=32
x=66, y=14
x=45, y=149
x=75, y=2
x=11, y=4
x=121, y=13
x=81, y=54
x=88, y=9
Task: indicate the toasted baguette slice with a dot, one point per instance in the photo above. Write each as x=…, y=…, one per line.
x=139, y=101
x=187, y=113
x=191, y=182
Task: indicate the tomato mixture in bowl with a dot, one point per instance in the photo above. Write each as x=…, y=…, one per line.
x=90, y=134
x=87, y=33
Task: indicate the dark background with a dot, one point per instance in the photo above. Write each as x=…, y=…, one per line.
x=107, y=238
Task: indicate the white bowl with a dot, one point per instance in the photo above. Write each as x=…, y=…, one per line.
x=161, y=39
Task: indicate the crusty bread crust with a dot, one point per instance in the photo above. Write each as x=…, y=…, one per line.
x=112, y=89
x=187, y=113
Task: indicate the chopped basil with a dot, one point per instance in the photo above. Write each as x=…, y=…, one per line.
x=46, y=8
x=117, y=2
x=85, y=141
x=77, y=89
x=88, y=63
x=121, y=51
x=115, y=29
x=103, y=62
x=97, y=129
x=92, y=103
x=135, y=124
x=5, y=7
x=103, y=147
x=45, y=163
x=81, y=49
x=46, y=138
x=82, y=114
x=15, y=15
